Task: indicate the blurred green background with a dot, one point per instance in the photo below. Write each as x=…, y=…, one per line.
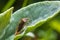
x=17, y=4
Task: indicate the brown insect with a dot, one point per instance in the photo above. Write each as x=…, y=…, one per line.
x=21, y=25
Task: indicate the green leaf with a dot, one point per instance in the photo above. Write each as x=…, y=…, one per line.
x=4, y=20
x=10, y=38
x=37, y=13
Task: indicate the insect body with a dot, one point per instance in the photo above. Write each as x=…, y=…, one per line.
x=21, y=25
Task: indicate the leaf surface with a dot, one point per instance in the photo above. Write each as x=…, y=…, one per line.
x=4, y=20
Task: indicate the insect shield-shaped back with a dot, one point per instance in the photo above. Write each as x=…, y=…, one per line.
x=21, y=25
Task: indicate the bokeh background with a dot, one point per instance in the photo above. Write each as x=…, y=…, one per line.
x=17, y=4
